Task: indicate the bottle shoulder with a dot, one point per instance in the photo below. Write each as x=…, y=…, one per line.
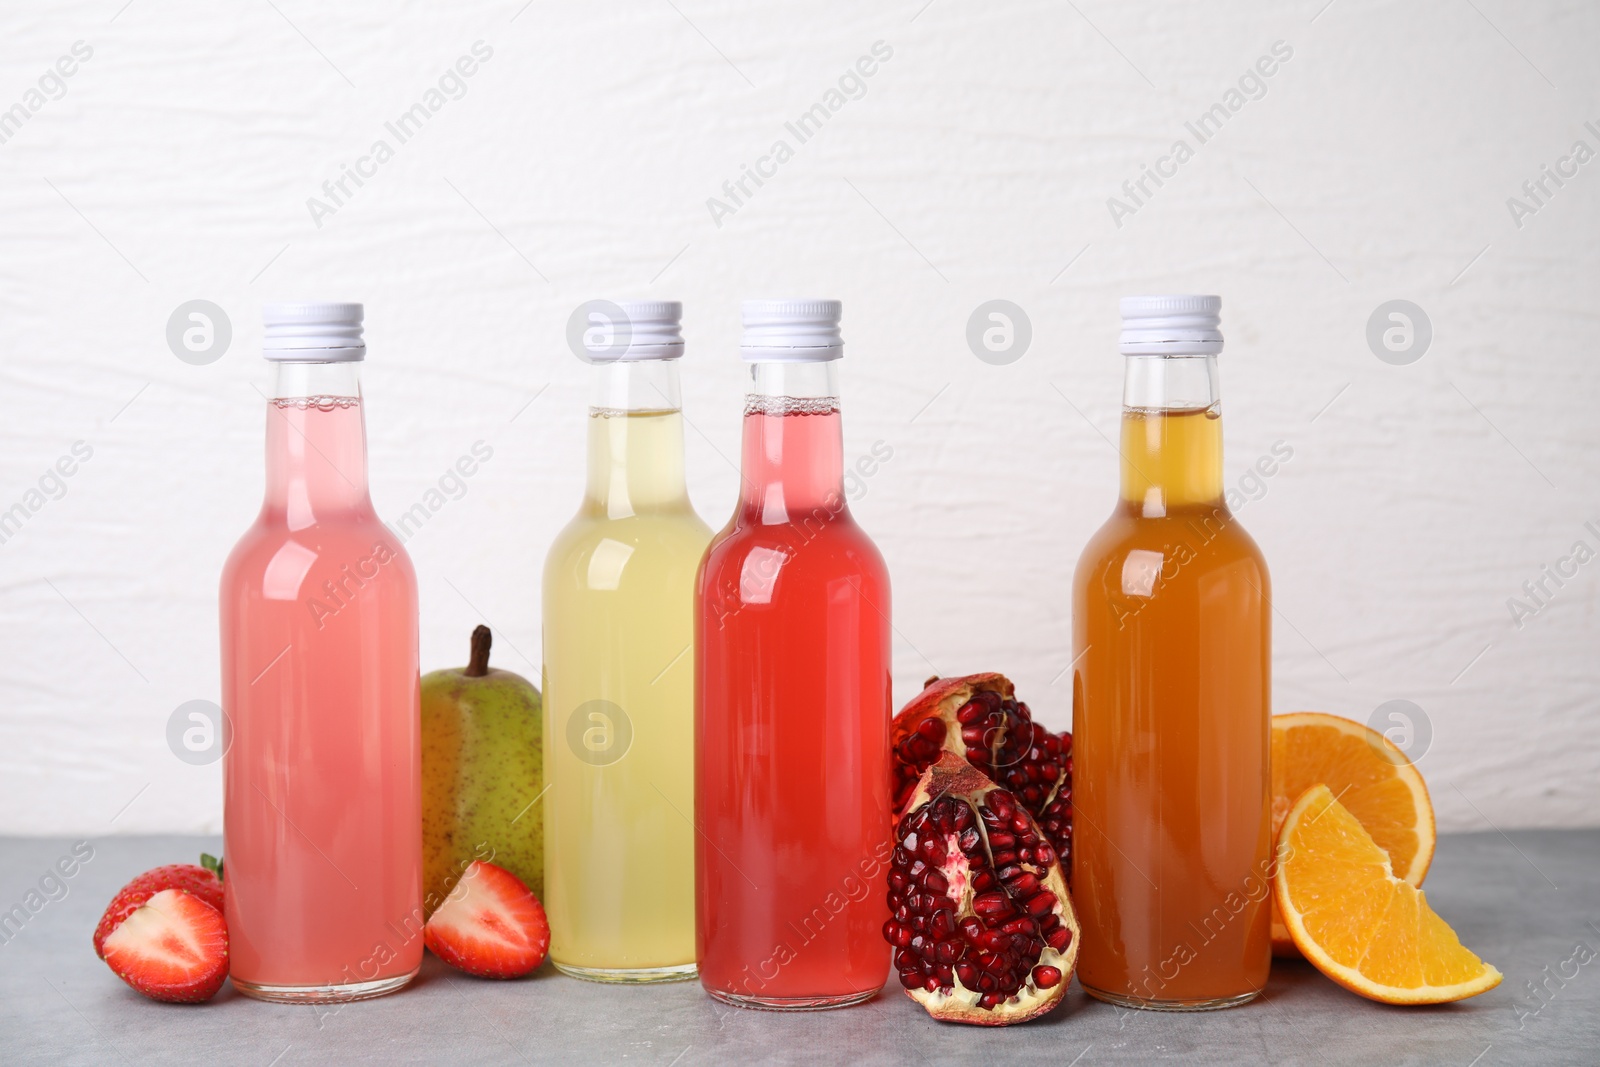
x=594, y=548
x=837, y=541
x=667, y=529
x=276, y=562
x=1200, y=538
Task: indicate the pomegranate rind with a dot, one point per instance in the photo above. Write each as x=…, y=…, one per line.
x=953, y=776
x=943, y=697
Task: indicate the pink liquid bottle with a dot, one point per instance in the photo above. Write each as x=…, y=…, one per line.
x=322, y=779
x=793, y=697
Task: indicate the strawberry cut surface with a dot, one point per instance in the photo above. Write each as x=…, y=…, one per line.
x=490, y=925
x=173, y=947
x=204, y=881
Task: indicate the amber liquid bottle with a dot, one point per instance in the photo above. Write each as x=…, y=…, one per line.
x=1172, y=635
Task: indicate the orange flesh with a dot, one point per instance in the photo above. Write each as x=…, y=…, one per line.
x=1360, y=925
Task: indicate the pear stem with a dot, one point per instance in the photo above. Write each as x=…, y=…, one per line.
x=478, y=665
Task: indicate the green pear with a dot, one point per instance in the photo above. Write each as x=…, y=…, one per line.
x=482, y=774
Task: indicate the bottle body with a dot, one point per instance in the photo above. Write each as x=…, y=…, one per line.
x=619, y=695
x=1171, y=698
x=792, y=720
x=320, y=682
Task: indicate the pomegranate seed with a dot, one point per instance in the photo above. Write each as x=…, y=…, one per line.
x=895, y=934
x=1041, y=904
x=993, y=906
x=1059, y=938
x=968, y=975
x=911, y=979
x=1046, y=977
x=1025, y=884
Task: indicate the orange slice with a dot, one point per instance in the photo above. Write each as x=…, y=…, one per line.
x=1356, y=922
x=1371, y=777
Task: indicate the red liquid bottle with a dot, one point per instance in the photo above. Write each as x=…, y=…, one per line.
x=792, y=697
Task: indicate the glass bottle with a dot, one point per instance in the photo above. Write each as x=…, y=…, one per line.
x=793, y=700
x=1172, y=634
x=319, y=682
x=619, y=672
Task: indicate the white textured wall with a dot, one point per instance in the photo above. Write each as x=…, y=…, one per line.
x=977, y=165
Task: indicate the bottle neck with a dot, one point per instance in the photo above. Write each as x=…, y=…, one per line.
x=1171, y=433
x=635, y=439
x=316, y=442
x=793, y=451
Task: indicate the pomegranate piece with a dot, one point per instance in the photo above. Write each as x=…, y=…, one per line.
x=979, y=719
x=980, y=919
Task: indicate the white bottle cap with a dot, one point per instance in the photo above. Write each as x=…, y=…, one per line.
x=313, y=332
x=632, y=330
x=791, y=331
x=1171, y=325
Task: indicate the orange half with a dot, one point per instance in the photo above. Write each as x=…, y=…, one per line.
x=1356, y=922
x=1369, y=775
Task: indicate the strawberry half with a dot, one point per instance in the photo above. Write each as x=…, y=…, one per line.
x=173, y=947
x=490, y=925
x=204, y=881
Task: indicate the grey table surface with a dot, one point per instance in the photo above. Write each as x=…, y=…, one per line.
x=1528, y=901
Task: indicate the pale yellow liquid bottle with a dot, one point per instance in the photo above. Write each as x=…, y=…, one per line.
x=619, y=678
